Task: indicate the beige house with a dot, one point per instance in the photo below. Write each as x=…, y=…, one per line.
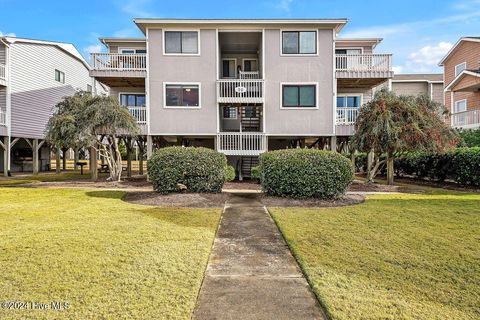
x=242, y=86
x=430, y=85
x=462, y=82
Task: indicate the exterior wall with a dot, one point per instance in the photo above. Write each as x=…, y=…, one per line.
x=183, y=69
x=298, y=69
x=2, y=53
x=34, y=91
x=469, y=52
x=437, y=93
x=367, y=95
x=115, y=91
x=411, y=88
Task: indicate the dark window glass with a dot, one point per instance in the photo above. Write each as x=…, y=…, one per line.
x=59, y=76
x=229, y=113
x=132, y=100
x=353, y=102
x=299, y=42
x=299, y=96
x=182, y=96
x=340, y=102
x=181, y=42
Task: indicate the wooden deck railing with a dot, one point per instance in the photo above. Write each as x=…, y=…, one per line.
x=363, y=62
x=119, y=61
x=240, y=91
x=466, y=119
x=346, y=116
x=241, y=143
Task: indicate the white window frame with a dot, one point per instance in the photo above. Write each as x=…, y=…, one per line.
x=136, y=93
x=235, y=68
x=317, y=47
x=236, y=113
x=464, y=68
x=183, y=84
x=346, y=95
x=120, y=49
x=181, y=30
x=299, y=84
x=456, y=104
x=349, y=48
x=251, y=59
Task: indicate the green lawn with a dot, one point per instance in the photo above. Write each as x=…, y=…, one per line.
x=393, y=257
x=106, y=258
x=43, y=177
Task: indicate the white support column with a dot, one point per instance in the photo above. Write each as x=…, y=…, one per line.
x=149, y=147
x=333, y=143
x=6, y=156
x=35, y=156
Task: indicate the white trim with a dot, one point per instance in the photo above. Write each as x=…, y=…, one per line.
x=264, y=126
x=441, y=63
x=199, y=84
x=334, y=84
x=457, y=78
x=181, y=54
x=147, y=82
x=299, y=84
x=418, y=80
x=240, y=30
x=350, y=94
x=349, y=48
x=254, y=59
x=456, y=103
x=217, y=76
x=317, y=45
x=235, y=68
x=464, y=68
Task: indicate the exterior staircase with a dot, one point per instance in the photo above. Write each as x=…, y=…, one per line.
x=246, y=165
x=250, y=118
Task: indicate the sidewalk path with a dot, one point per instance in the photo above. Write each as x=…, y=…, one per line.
x=251, y=273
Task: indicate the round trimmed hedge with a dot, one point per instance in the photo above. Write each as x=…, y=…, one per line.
x=191, y=169
x=305, y=173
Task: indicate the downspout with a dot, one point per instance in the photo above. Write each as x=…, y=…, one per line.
x=8, y=101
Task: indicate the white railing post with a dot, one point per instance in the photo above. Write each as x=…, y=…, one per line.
x=346, y=116
x=240, y=91
x=118, y=61
x=363, y=62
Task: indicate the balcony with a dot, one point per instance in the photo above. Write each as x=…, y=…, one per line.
x=240, y=91
x=3, y=75
x=118, y=69
x=466, y=119
x=362, y=70
x=346, y=116
x=139, y=113
x=241, y=144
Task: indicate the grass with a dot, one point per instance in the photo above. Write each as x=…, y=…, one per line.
x=50, y=177
x=108, y=259
x=398, y=256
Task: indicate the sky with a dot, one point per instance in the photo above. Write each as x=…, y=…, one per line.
x=417, y=32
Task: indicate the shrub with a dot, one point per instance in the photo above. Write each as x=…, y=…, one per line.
x=461, y=165
x=173, y=169
x=304, y=173
x=471, y=137
x=255, y=173
x=229, y=173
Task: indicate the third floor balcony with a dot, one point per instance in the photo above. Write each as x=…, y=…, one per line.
x=111, y=68
x=372, y=69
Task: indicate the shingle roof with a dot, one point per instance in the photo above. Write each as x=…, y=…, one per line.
x=419, y=77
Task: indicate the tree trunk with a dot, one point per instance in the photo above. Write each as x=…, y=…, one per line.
x=64, y=159
x=57, y=160
x=352, y=158
x=140, y=156
x=93, y=163
x=390, y=171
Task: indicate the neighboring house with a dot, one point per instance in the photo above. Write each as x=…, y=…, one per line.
x=462, y=82
x=430, y=85
x=34, y=76
x=242, y=86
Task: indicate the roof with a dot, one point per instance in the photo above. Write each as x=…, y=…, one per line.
x=64, y=46
x=368, y=41
x=144, y=23
x=412, y=77
x=475, y=73
x=455, y=46
x=114, y=40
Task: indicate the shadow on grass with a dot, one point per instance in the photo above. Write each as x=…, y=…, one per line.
x=106, y=194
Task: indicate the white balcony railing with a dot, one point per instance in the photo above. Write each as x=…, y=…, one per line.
x=3, y=117
x=249, y=75
x=3, y=74
x=241, y=143
x=118, y=61
x=346, y=116
x=139, y=113
x=363, y=62
x=240, y=91
x=466, y=119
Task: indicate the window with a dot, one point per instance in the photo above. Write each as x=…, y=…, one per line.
x=461, y=105
x=229, y=68
x=182, y=95
x=299, y=96
x=299, y=42
x=132, y=100
x=133, y=51
x=229, y=113
x=250, y=65
x=349, y=101
x=181, y=42
x=59, y=76
x=89, y=88
x=459, y=68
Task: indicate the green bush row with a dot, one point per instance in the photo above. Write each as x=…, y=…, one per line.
x=304, y=173
x=190, y=169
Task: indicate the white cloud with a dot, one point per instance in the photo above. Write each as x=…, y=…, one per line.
x=425, y=59
x=397, y=69
x=136, y=8
x=94, y=48
x=284, y=5
x=10, y=34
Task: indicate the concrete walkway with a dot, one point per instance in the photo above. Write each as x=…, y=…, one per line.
x=251, y=273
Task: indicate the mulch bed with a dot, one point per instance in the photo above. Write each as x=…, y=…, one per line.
x=358, y=186
x=189, y=200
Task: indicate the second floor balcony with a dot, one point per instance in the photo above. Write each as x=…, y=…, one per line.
x=466, y=119
x=377, y=67
x=240, y=91
x=110, y=67
x=346, y=116
x=3, y=75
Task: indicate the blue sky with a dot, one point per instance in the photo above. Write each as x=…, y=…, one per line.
x=417, y=32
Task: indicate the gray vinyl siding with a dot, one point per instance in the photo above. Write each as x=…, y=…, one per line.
x=410, y=88
x=437, y=93
x=3, y=107
x=2, y=53
x=34, y=91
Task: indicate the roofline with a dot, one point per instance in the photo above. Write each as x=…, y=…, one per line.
x=58, y=44
x=418, y=80
x=441, y=63
x=106, y=39
x=340, y=23
x=461, y=75
x=376, y=41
